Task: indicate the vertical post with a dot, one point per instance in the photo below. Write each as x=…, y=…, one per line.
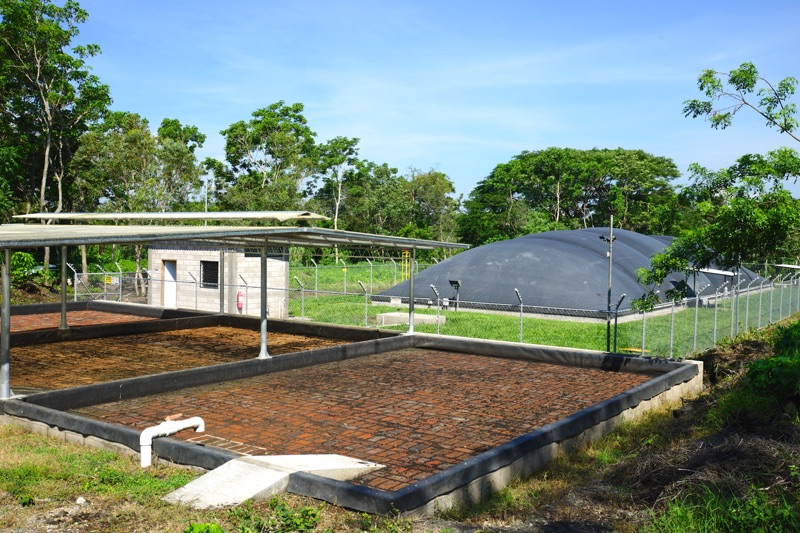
x=760, y=298
x=519, y=297
x=771, y=295
x=696, y=311
x=344, y=271
x=370, y=274
x=411, y=293
x=780, y=305
x=438, y=307
x=221, y=273
x=119, y=269
x=644, y=326
x=610, y=241
x=366, y=303
x=302, y=297
x=63, y=325
x=616, y=317
x=672, y=331
x=5, y=328
x=264, y=354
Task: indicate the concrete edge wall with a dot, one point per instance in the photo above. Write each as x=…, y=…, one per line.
x=550, y=354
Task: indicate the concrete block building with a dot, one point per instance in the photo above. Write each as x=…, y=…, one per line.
x=187, y=276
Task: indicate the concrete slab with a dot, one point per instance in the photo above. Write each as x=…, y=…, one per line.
x=393, y=319
x=259, y=477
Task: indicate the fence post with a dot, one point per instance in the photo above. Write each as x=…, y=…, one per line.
x=771, y=298
x=247, y=294
x=438, y=306
x=344, y=271
x=644, y=325
x=696, y=311
x=519, y=297
x=316, y=278
x=672, y=330
x=616, y=318
x=196, y=289
x=370, y=274
x=780, y=305
x=302, y=298
x=760, y=298
x=366, y=304
x=120, y=280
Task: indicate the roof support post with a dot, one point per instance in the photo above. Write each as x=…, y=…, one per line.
x=5, y=328
x=411, y=292
x=64, y=325
x=264, y=354
x=221, y=272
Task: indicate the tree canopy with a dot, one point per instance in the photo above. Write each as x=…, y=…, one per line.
x=566, y=188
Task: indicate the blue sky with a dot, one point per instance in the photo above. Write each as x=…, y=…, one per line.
x=457, y=86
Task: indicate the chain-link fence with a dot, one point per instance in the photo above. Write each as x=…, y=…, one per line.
x=349, y=294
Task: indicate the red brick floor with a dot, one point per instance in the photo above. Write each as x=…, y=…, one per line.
x=74, y=318
x=416, y=411
x=65, y=364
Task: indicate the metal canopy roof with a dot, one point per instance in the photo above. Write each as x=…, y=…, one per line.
x=17, y=236
x=194, y=215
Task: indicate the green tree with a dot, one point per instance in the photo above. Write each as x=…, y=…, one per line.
x=746, y=215
x=434, y=208
x=267, y=160
x=377, y=200
x=564, y=188
x=338, y=159
x=121, y=166
x=740, y=86
x=48, y=89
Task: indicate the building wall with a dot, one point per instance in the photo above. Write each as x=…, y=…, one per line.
x=242, y=274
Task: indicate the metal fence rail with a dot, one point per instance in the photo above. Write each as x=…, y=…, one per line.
x=349, y=295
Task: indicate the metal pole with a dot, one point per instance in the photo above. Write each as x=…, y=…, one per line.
x=610, y=241
x=771, y=298
x=616, y=317
x=246, y=294
x=672, y=330
x=438, y=306
x=411, y=294
x=119, y=268
x=316, y=278
x=63, y=325
x=519, y=297
x=760, y=298
x=302, y=298
x=366, y=304
x=644, y=324
x=370, y=274
x=264, y=354
x=221, y=272
x=5, y=328
x=780, y=306
x=344, y=271
x=196, y=289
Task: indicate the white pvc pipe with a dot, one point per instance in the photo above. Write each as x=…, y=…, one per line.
x=168, y=427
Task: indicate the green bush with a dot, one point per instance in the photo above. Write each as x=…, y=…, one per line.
x=22, y=269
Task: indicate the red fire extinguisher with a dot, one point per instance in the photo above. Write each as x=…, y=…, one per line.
x=239, y=300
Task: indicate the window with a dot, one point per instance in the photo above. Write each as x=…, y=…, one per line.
x=209, y=274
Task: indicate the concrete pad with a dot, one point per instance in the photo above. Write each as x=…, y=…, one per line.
x=259, y=477
x=393, y=319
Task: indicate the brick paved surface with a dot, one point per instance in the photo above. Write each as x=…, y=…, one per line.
x=74, y=318
x=71, y=363
x=416, y=411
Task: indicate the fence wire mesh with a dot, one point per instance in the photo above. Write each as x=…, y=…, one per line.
x=349, y=294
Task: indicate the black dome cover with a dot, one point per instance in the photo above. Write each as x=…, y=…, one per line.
x=562, y=269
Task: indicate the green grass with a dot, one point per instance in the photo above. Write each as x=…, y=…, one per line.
x=351, y=309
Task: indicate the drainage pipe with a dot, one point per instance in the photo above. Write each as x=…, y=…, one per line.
x=164, y=429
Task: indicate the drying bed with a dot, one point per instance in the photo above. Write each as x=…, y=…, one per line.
x=450, y=418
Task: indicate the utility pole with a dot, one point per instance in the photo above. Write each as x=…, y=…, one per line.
x=610, y=240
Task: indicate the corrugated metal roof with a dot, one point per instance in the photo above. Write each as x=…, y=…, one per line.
x=20, y=236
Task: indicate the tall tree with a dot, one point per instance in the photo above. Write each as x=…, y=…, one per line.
x=338, y=158
x=48, y=88
x=267, y=160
